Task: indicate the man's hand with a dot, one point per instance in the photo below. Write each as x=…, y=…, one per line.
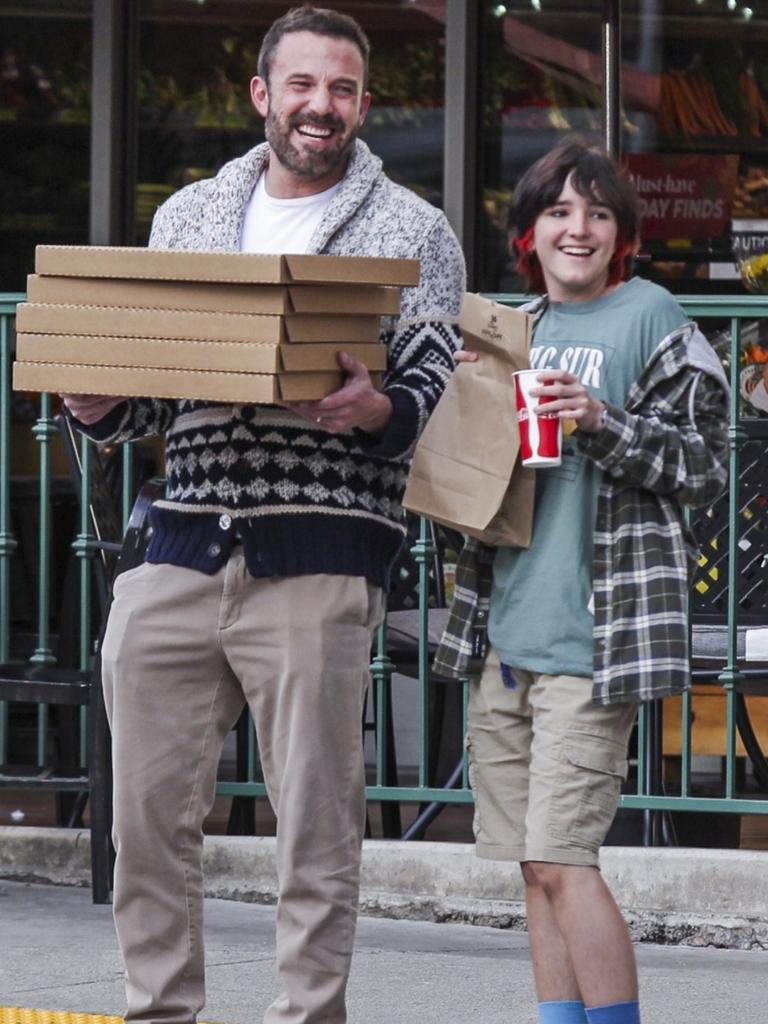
x=90, y=408
x=571, y=400
x=356, y=404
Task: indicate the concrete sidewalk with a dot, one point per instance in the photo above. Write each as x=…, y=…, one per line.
x=692, y=896
x=58, y=951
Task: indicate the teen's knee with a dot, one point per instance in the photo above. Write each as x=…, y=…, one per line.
x=552, y=878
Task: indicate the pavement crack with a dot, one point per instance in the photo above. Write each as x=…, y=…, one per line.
x=234, y=963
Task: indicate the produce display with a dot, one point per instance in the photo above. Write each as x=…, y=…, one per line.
x=689, y=106
x=755, y=107
x=754, y=273
x=750, y=198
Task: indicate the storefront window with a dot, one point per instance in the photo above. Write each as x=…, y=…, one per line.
x=45, y=97
x=197, y=60
x=695, y=88
x=694, y=85
x=541, y=81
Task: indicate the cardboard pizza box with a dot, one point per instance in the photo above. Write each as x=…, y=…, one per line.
x=110, y=321
x=338, y=299
x=203, y=385
x=192, y=355
x=229, y=267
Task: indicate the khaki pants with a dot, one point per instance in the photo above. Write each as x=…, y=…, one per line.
x=546, y=766
x=182, y=654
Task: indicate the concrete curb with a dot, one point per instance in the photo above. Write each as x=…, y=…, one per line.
x=686, y=896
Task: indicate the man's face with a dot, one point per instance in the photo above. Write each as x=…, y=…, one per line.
x=314, y=105
x=574, y=240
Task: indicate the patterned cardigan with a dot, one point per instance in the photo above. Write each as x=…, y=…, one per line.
x=666, y=449
x=301, y=499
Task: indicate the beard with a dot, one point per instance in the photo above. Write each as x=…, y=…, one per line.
x=308, y=164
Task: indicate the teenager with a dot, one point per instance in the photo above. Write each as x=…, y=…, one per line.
x=590, y=620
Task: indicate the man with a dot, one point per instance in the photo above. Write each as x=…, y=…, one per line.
x=591, y=619
x=265, y=574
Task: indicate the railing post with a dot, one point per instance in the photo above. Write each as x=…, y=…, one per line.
x=731, y=675
x=381, y=676
x=85, y=549
x=44, y=431
x=423, y=553
x=8, y=543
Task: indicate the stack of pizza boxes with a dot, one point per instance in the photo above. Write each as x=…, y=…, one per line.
x=226, y=327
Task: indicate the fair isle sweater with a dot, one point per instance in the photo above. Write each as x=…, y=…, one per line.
x=302, y=500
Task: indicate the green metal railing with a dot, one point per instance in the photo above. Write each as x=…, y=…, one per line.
x=394, y=780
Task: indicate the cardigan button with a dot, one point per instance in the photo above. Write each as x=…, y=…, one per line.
x=225, y=521
x=214, y=550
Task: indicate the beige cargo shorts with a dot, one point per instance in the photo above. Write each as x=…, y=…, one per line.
x=545, y=766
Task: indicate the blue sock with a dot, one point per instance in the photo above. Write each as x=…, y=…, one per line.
x=567, y=1011
x=615, y=1013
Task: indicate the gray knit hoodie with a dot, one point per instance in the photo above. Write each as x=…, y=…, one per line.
x=302, y=500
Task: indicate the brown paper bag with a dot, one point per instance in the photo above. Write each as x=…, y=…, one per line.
x=465, y=472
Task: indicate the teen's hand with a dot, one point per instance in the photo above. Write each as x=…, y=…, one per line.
x=356, y=404
x=571, y=400
x=90, y=409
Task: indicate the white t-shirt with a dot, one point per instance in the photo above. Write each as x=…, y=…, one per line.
x=282, y=225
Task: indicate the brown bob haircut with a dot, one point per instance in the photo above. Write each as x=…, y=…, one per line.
x=595, y=176
x=321, y=21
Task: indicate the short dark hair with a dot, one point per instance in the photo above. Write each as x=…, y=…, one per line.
x=320, y=20
x=596, y=176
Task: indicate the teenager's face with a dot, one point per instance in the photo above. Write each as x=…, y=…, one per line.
x=574, y=240
x=314, y=105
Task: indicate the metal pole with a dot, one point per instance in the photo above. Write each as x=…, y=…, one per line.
x=611, y=46
x=113, y=121
x=461, y=153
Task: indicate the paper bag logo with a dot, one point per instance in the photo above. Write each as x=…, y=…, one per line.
x=491, y=329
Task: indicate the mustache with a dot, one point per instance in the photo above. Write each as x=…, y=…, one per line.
x=326, y=121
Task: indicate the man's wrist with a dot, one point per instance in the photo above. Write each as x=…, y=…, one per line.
x=378, y=417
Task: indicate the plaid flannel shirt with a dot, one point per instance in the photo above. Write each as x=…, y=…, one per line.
x=666, y=449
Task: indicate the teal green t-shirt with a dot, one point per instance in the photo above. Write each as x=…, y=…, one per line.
x=540, y=618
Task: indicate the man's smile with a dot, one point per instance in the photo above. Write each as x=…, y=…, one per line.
x=314, y=131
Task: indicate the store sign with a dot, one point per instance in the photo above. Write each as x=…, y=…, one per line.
x=683, y=196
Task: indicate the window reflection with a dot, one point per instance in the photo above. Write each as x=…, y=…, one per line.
x=694, y=123
x=542, y=77
x=700, y=148
x=45, y=97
